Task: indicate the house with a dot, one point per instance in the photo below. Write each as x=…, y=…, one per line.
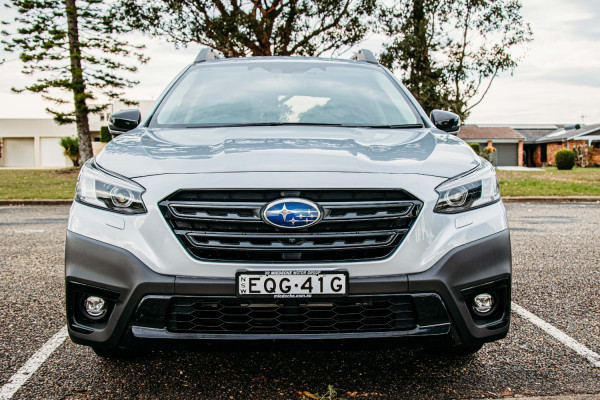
x=532, y=132
x=544, y=148
x=507, y=141
x=35, y=143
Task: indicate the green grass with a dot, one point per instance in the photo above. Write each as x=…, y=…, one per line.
x=19, y=184
x=550, y=182
x=26, y=184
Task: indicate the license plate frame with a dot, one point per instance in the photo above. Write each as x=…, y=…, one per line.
x=294, y=276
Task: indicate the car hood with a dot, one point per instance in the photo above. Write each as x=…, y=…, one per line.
x=145, y=152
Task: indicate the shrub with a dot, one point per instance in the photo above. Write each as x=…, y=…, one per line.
x=105, y=135
x=476, y=148
x=564, y=159
x=71, y=146
x=489, y=153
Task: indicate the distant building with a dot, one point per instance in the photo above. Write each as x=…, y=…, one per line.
x=540, y=141
x=544, y=148
x=507, y=141
x=35, y=143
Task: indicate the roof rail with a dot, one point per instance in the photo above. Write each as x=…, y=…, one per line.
x=365, y=55
x=205, y=54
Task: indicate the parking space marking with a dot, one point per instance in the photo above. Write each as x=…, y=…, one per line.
x=35, y=361
x=33, y=364
x=27, y=231
x=582, y=350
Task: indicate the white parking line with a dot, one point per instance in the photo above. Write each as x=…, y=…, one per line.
x=582, y=350
x=35, y=361
x=33, y=364
x=27, y=231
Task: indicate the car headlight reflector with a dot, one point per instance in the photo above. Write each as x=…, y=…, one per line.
x=99, y=188
x=476, y=188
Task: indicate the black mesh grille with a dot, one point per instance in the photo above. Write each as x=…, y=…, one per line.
x=226, y=225
x=348, y=314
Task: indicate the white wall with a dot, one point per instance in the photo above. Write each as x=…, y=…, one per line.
x=42, y=148
x=39, y=152
x=52, y=153
x=18, y=152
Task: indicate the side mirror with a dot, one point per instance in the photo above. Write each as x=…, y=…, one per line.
x=445, y=121
x=123, y=121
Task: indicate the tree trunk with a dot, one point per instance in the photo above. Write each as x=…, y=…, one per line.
x=422, y=81
x=78, y=84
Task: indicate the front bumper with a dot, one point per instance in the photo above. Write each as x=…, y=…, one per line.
x=139, y=298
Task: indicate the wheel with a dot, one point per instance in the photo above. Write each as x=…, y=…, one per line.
x=115, y=353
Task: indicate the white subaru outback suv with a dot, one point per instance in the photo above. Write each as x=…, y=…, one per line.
x=287, y=198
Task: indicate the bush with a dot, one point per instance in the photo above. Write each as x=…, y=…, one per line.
x=71, y=146
x=476, y=148
x=564, y=159
x=105, y=135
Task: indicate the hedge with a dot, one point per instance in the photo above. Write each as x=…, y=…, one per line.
x=105, y=135
x=476, y=148
x=564, y=159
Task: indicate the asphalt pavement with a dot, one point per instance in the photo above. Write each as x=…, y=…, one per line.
x=556, y=255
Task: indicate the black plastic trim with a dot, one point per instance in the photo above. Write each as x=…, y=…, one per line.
x=486, y=261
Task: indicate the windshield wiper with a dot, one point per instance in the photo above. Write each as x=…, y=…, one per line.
x=234, y=125
x=402, y=126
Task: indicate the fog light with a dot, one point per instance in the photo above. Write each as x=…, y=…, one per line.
x=483, y=303
x=95, y=306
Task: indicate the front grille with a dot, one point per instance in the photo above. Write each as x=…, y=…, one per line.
x=226, y=225
x=348, y=314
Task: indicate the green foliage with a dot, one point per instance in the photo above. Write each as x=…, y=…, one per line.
x=550, y=182
x=35, y=184
x=105, y=135
x=564, y=159
x=40, y=35
x=450, y=51
x=330, y=395
x=76, y=54
x=71, y=146
x=476, y=148
x=240, y=28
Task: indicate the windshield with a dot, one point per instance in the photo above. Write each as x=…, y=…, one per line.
x=286, y=92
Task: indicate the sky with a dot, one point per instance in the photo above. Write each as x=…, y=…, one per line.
x=558, y=81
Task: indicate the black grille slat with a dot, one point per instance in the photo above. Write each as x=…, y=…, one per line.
x=226, y=225
x=234, y=315
x=304, y=241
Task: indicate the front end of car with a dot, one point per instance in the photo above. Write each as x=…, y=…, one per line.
x=287, y=255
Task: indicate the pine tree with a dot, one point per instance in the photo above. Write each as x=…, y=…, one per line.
x=74, y=48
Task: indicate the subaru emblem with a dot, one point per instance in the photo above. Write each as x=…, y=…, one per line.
x=291, y=213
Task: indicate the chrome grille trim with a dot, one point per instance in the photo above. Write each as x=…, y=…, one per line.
x=251, y=211
x=227, y=225
x=304, y=241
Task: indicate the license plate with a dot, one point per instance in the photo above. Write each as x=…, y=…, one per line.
x=291, y=284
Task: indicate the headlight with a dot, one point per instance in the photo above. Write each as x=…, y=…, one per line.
x=474, y=189
x=99, y=188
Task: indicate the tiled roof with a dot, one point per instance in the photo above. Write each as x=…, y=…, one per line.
x=531, y=135
x=562, y=134
x=478, y=132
